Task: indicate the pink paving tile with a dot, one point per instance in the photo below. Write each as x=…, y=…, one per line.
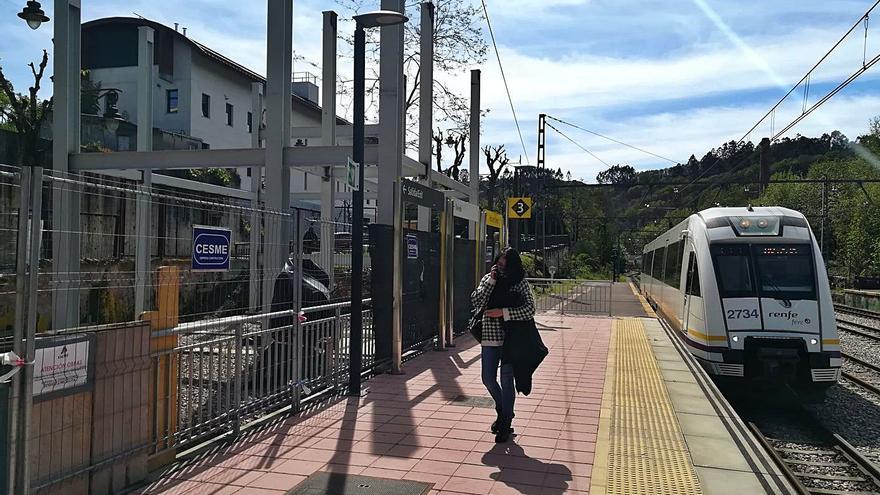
x=277, y=481
x=446, y=455
x=531, y=441
x=300, y=467
x=436, y=467
x=455, y=444
x=464, y=434
x=467, y=485
x=343, y=469
x=475, y=472
x=437, y=480
x=249, y=490
x=393, y=474
x=396, y=463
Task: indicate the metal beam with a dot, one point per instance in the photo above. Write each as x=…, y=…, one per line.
x=342, y=131
x=167, y=159
x=328, y=138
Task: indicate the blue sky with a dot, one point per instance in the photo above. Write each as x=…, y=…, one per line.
x=676, y=77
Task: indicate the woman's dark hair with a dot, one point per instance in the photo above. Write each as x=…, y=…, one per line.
x=514, y=269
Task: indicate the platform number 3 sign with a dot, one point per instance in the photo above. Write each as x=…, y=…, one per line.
x=519, y=207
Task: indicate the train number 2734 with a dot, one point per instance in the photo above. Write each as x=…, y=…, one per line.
x=735, y=314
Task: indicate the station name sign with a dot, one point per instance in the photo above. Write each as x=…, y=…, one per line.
x=421, y=195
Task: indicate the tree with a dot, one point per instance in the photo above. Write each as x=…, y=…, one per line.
x=26, y=113
x=458, y=46
x=496, y=160
x=617, y=174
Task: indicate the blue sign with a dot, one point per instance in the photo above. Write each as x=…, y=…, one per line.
x=211, y=249
x=412, y=246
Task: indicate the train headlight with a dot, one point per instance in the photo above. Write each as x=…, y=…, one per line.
x=762, y=223
x=813, y=341
x=745, y=223
x=736, y=338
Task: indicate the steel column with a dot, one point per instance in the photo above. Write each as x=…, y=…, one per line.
x=474, y=175
x=390, y=112
x=357, y=220
x=143, y=208
x=328, y=135
x=66, y=140
x=278, y=109
x=256, y=185
x=426, y=86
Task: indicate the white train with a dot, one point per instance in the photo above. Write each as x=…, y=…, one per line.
x=746, y=289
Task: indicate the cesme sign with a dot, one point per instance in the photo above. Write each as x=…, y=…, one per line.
x=211, y=249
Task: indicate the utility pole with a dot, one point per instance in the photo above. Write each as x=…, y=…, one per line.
x=824, y=213
x=542, y=169
x=764, y=170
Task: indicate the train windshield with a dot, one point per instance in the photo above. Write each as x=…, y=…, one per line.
x=785, y=271
x=733, y=270
x=777, y=271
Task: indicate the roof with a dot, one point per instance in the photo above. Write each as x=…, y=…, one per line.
x=745, y=212
x=205, y=51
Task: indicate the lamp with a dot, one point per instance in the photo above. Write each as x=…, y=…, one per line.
x=111, y=111
x=369, y=20
x=33, y=14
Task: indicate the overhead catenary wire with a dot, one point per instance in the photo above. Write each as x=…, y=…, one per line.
x=614, y=140
x=805, y=80
x=504, y=79
x=578, y=144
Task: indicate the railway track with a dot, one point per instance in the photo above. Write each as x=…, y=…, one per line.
x=863, y=313
x=825, y=463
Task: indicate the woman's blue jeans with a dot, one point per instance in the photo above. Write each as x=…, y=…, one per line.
x=504, y=395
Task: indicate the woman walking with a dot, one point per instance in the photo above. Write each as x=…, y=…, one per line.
x=504, y=295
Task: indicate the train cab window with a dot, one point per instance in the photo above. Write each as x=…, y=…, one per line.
x=693, y=277
x=785, y=271
x=733, y=270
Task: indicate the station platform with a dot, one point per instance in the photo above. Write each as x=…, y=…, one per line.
x=616, y=408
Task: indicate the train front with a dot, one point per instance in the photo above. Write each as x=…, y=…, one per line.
x=775, y=299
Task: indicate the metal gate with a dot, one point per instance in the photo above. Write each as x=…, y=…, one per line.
x=421, y=288
x=572, y=296
x=464, y=263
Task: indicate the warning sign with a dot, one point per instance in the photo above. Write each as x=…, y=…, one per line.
x=519, y=207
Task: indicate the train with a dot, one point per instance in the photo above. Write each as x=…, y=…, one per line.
x=747, y=291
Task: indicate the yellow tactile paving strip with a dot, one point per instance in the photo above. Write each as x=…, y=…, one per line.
x=640, y=449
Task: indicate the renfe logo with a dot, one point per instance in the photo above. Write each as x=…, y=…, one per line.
x=211, y=248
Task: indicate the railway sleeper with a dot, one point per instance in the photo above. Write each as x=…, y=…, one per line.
x=816, y=463
x=831, y=477
x=827, y=491
x=787, y=450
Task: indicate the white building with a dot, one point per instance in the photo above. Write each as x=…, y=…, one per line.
x=199, y=92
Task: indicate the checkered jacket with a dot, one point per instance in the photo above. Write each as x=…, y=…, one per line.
x=493, y=332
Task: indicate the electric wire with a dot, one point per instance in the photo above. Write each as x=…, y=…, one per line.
x=805, y=80
x=614, y=140
x=577, y=144
x=504, y=78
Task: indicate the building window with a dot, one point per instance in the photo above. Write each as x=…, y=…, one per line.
x=229, y=114
x=206, y=105
x=250, y=122
x=171, y=100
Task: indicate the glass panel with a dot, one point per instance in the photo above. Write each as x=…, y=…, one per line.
x=785, y=271
x=732, y=266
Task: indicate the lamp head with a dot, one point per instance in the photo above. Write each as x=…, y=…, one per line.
x=380, y=18
x=33, y=14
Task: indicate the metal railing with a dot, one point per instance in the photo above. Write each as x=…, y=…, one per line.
x=235, y=370
x=572, y=296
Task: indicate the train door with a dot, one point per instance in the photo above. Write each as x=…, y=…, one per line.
x=688, y=288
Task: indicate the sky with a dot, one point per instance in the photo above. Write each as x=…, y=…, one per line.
x=674, y=77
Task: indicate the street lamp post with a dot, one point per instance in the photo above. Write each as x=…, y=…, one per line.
x=33, y=14
x=362, y=22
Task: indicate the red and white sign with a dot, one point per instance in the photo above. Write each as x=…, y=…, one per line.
x=61, y=367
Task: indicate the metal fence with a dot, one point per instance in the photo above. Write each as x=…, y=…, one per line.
x=572, y=296
x=139, y=353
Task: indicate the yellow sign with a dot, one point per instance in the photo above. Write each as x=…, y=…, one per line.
x=494, y=219
x=519, y=208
